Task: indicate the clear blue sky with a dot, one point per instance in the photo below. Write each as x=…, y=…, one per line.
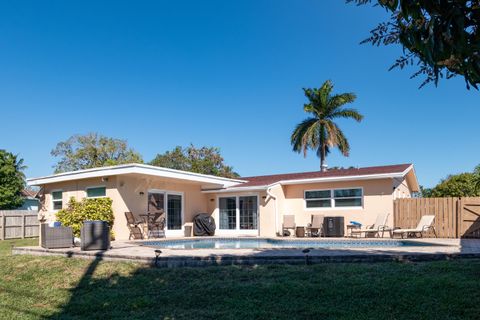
x=221, y=73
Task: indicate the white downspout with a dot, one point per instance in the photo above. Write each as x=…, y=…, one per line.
x=271, y=195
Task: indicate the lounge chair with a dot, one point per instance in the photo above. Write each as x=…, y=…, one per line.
x=134, y=226
x=374, y=230
x=288, y=223
x=315, y=228
x=425, y=224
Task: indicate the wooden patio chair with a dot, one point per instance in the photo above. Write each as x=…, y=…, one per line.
x=134, y=226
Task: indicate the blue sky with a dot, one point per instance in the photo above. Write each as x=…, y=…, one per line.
x=221, y=73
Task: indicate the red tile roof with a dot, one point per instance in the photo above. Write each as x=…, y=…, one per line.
x=267, y=180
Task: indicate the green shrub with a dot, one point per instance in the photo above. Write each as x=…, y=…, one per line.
x=87, y=209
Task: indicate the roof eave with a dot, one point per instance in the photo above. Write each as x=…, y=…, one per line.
x=132, y=169
x=316, y=180
x=346, y=178
x=236, y=189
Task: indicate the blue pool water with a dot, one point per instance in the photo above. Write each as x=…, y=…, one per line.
x=245, y=243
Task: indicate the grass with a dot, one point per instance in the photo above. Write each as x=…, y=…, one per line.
x=60, y=288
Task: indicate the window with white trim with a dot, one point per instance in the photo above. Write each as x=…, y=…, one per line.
x=96, y=192
x=57, y=201
x=334, y=198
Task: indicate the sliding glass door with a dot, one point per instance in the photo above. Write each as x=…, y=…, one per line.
x=228, y=213
x=238, y=213
x=159, y=200
x=174, y=212
x=248, y=212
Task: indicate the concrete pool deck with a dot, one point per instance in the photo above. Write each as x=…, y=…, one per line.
x=135, y=251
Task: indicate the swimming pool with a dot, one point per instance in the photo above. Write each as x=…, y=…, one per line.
x=267, y=243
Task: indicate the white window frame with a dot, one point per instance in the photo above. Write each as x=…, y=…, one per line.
x=332, y=200
x=237, y=229
x=53, y=200
x=93, y=187
x=175, y=232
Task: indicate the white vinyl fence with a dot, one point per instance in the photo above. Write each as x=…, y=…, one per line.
x=16, y=224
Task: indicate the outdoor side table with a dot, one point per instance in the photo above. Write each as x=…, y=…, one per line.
x=300, y=232
x=351, y=227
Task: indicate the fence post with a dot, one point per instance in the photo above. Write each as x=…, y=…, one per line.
x=4, y=218
x=23, y=225
x=458, y=227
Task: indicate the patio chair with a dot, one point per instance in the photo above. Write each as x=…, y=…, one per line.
x=134, y=226
x=315, y=228
x=156, y=225
x=425, y=224
x=288, y=223
x=374, y=230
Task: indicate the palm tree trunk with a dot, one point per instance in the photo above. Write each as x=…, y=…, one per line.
x=323, y=162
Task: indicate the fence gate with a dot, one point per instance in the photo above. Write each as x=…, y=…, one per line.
x=454, y=217
x=469, y=217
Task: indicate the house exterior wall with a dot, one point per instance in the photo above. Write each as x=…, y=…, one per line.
x=130, y=192
x=30, y=204
x=125, y=192
x=377, y=198
x=402, y=189
x=129, y=199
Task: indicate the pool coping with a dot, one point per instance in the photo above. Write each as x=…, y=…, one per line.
x=418, y=241
x=219, y=257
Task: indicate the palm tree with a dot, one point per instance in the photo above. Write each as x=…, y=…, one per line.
x=319, y=132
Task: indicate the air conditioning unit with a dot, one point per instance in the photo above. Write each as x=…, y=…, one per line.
x=95, y=235
x=334, y=226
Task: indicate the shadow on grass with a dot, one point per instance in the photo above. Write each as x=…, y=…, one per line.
x=383, y=290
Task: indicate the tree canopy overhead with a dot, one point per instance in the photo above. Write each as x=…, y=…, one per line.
x=206, y=160
x=12, y=181
x=93, y=150
x=440, y=37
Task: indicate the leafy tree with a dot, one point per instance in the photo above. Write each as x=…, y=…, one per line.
x=206, y=160
x=459, y=185
x=319, y=132
x=441, y=37
x=424, y=193
x=12, y=180
x=476, y=174
x=92, y=150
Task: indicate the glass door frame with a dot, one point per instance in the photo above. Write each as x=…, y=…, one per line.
x=237, y=230
x=166, y=193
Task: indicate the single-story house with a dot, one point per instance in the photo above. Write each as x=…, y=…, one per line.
x=246, y=206
x=30, y=200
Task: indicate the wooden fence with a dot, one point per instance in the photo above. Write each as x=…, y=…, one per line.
x=18, y=224
x=454, y=217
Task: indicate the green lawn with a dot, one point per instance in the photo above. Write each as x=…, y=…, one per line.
x=46, y=287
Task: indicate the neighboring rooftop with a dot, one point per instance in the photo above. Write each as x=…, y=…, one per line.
x=29, y=193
